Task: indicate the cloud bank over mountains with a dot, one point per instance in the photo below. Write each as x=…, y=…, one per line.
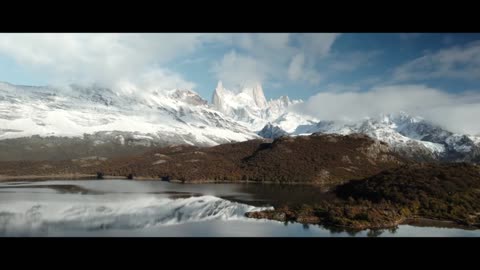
x=137, y=62
x=140, y=59
x=457, y=112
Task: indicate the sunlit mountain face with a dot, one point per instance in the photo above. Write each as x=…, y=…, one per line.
x=239, y=134
x=181, y=116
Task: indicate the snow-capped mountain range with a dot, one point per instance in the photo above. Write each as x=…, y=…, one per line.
x=174, y=116
x=181, y=116
x=409, y=135
x=249, y=106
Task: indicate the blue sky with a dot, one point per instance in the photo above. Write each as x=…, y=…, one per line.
x=339, y=75
x=333, y=62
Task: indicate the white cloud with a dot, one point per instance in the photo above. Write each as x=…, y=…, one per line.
x=236, y=69
x=318, y=45
x=276, y=56
x=102, y=58
x=457, y=112
x=108, y=58
x=298, y=71
x=155, y=79
x=458, y=62
x=261, y=44
x=295, y=70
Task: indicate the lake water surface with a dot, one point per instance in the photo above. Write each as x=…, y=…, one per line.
x=161, y=209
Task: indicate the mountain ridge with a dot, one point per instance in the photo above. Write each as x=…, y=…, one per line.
x=316, y=159
x=410, y=135
x=249, y=105
x=155, y=118
x=59, y=112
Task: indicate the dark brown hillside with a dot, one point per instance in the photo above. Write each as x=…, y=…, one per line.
x=86, y=165
x=442, y=191
x=187, y=163
x=445, y=192
x=321, y=159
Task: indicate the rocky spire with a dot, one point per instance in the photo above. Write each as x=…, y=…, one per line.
x=258, y=96
x=217, y=98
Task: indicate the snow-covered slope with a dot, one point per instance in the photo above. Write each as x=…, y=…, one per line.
x=413, y=136
x=289, y=121
x=181, y=116
x=249, y=106
x=475, y=139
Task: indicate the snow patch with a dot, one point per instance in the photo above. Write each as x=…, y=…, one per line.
x=160, y=161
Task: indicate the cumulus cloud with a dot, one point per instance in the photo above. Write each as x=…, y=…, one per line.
x=298, y=71
x=275, y=57
x=102, y=58
x=263, y=44
x=236, y=69
x=317, y=45
x=458, y=62
x=109, y=58
x=155, y=79
x=295, y=70
x=456, y=112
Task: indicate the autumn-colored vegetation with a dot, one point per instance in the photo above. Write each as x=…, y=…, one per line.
x=320, y=159
x=438, y=191
x=373, y=187
x=449, y=192
x=317, y=159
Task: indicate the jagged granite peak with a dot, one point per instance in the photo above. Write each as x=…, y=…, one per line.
x=180, y=114
x=249, y=106
x=248, y=94
x=272, y=132
x=218, y=97
x=259, y=96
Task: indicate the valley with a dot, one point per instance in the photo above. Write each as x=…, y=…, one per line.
x=376, y=173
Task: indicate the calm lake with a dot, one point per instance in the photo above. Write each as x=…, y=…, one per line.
x=162, y=209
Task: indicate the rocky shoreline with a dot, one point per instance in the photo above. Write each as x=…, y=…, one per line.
x=385, y=219
x=290, y=216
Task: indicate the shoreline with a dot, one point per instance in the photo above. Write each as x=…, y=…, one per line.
x=277, y=214
x=416, y=221
x=6, y=178
x=73, y=177
x=438, y=223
